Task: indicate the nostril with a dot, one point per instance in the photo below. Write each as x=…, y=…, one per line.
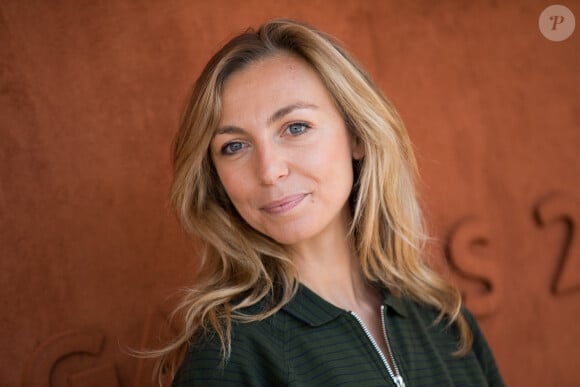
x=272, y=172
x=271, y=165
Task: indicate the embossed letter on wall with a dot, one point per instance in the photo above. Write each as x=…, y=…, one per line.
x=565, y=209
x=468, y=234
x=39, y=369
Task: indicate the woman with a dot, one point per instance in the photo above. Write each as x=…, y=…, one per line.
x=297, y=175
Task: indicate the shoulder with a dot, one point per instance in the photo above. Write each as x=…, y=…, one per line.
x=256, y=357
x=482, y=351
x=420, y=324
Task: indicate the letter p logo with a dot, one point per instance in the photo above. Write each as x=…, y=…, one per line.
x=557, y=23
x=556, y=20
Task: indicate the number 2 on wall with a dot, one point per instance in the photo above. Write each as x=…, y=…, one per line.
x=563, y=208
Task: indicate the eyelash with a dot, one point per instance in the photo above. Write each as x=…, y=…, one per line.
x=226, y=148
x=304, y=126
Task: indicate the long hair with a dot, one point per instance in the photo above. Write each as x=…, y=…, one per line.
x=240, y=266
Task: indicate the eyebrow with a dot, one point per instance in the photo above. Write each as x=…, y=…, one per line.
x=289, y=109
x=278, y=114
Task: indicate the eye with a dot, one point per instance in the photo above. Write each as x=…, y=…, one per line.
x=231, y=148
x=297, y=128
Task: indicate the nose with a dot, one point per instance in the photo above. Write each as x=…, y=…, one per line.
x=271, y=164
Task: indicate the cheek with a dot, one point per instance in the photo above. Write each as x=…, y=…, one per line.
x=338, y=173
x=333, y=161
x=235, y=185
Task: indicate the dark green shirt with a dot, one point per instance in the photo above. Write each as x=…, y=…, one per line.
x=311, y=342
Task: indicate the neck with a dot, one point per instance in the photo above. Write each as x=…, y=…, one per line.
x=332, y=270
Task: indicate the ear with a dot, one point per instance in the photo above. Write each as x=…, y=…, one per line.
x=357, y=148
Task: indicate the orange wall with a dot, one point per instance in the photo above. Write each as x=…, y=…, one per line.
x=90, y=97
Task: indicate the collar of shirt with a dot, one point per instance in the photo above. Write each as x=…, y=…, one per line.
x=315, y=311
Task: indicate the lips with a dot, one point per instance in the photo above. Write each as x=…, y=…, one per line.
x=283, y=205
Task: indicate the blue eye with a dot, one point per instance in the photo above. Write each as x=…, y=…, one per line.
x=231, y=148
x=297, y=128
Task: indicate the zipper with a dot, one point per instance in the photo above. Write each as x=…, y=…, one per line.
x=394, y=374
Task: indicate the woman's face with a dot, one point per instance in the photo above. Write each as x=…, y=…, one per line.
x=283, y=153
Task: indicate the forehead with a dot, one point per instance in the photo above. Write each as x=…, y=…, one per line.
x=282, y=66
x=270, y=83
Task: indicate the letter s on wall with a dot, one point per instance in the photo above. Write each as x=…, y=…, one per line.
x=468, y=233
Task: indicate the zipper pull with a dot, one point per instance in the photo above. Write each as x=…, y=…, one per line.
x=399, y=381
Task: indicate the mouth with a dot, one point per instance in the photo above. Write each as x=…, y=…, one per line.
x=283, y=205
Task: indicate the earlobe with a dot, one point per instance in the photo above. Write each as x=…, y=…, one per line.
x=357, y=149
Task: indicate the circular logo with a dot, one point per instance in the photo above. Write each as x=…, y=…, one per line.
x=557, y=23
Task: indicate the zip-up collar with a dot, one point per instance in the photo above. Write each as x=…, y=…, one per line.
x=394, y=303
x=310, y=308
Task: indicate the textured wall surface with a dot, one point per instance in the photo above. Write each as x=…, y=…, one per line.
x=90, y=96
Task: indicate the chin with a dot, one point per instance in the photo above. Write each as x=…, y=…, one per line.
x=286, y=240
x=287, y=237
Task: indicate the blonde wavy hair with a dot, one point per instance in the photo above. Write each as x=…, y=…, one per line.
x=240, y=266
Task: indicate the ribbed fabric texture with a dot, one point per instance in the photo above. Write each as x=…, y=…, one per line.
x=310, y=342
